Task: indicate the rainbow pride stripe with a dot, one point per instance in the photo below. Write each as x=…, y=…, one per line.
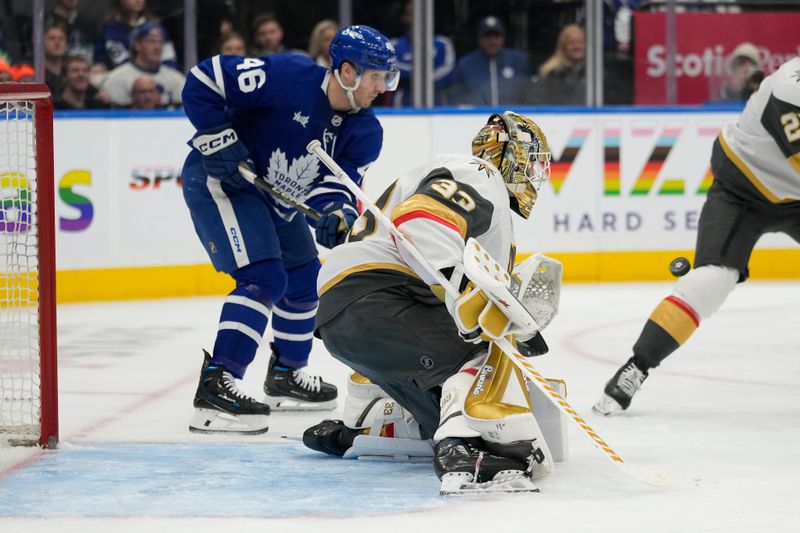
x=611, y=167
x=15, y=203
x=647, y=177
x=72, y=199
x=559, y=169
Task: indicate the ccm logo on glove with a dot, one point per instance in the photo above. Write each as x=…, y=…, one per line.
x=212, y=143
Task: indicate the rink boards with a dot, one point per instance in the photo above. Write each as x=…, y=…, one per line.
x=624, y=197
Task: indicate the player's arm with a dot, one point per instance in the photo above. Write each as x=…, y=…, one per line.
x=441, y=215
x=213, y=87
x=331, y=198
x=439, y=218
x=223, y=83
x=781, y=119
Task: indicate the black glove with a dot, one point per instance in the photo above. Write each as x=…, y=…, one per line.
x=222, y=152
x=533, y=346
x=336, y=220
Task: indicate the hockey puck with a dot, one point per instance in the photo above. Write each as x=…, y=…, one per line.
x=679, y=266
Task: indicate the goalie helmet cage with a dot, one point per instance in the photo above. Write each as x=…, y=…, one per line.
x=28, y=377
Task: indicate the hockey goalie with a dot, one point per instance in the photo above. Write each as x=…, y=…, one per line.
x=428, y=383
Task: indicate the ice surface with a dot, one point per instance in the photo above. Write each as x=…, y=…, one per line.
x=718, y=420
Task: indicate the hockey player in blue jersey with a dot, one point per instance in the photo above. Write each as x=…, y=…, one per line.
x=264, y=111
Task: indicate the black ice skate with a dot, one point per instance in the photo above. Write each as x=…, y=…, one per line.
x=620, y=389
x=220, y=407
x=465, y=469
x=331, y=437
x=289, y=389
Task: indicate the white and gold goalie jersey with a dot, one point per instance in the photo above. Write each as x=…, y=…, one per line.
x=438, y=207
x=765, y=142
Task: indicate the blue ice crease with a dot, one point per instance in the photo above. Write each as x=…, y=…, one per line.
x=212, y=480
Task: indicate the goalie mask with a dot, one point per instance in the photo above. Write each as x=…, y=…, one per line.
x=518, y=148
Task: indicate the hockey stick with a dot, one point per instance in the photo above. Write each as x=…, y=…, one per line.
x=276, y=193
x=437, y=277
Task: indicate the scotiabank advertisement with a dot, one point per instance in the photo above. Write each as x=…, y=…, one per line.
x=705, y=42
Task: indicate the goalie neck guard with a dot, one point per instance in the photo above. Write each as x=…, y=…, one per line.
x=518, y=148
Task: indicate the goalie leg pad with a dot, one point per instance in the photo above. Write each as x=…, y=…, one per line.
x=386, y=430
x=498, y=408
x=376, y=448
x=361, y=393
x=454, y=391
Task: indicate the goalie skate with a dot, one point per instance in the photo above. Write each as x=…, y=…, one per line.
x=505, y=481
x=289, y=389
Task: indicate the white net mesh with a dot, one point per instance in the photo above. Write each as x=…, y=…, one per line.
x=20, y=402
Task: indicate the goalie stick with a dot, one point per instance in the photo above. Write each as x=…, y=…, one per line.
x=276, y=193
x=434, y=276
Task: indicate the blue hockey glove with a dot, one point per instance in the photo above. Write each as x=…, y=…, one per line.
x=222, y=152
x=337, y=219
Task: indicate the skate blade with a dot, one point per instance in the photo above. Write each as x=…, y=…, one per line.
x=287, y=403
x=607, y=405
x=218, y=422
x=505, y=482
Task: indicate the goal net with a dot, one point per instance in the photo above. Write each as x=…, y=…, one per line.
x=28, y=389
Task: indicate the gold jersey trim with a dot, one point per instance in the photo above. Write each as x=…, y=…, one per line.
x=741, y=165
x=365, y=267
x=420, y=202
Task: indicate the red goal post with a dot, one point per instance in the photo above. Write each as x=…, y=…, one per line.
x=28, y=374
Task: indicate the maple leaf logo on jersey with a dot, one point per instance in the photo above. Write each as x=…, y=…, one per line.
x=796, y=76
x=295, y=179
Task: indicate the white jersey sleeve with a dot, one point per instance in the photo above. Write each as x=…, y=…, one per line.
x=438, y=207
x=765, y=142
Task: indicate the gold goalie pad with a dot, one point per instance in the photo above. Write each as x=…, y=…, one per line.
x=501, y=407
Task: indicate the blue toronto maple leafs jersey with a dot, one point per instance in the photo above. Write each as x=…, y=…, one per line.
x=277, y=105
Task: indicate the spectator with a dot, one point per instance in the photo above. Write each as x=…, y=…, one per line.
x=55, y=48
x=232, y=43
x=444, y=62
x=618, y=50
x=562, y=78
x=146, y=53
x=23, y=73
x=268, y=37
x=80, y=34
x=124, y=19
x=6, y=72
x=98, y=73
x=743, y=63
x=78, y=93
x=145, y=94
x=320, y=42
x=492, y=74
